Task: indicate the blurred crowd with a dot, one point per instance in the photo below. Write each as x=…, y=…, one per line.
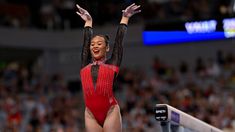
x=165, y=10
x=60, y=14
x=205, y=90
x=35, y=102
x=31, y=101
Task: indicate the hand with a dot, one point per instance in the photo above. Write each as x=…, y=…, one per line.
x=84, y=14
x=131, y=10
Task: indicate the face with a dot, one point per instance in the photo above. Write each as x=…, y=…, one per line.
x=98, y=48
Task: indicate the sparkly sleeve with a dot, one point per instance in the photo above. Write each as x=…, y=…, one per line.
x=86, y=55
x=117, y=52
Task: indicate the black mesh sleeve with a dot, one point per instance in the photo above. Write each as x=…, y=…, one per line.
x=86, y=55
x=117, y=53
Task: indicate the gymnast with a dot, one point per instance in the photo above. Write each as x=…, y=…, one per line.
x=98, y=74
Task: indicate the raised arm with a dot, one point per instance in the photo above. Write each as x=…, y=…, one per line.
x=117, y=53
x=87, y=33
x=128, y=12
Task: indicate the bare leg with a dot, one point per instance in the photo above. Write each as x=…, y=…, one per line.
x=91, y=124
x=113, y=121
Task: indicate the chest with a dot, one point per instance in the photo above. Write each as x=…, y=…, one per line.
x=103, y=73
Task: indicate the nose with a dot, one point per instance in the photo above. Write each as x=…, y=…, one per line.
x=95, y=46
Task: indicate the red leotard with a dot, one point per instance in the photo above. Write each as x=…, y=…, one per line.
x=99, y=100
x=98, y=79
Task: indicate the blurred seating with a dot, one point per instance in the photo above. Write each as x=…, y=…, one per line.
x=31, y=101
x=61, y=14
x=15, y=14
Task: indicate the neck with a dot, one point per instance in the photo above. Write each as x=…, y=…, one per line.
x=98, y=61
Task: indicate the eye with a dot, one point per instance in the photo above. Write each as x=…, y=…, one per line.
x=92, y=44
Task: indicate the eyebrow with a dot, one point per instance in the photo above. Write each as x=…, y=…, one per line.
x=97, y=41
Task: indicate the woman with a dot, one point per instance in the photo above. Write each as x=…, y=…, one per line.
x=98, y=74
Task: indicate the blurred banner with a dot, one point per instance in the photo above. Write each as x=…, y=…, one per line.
x=173, y=32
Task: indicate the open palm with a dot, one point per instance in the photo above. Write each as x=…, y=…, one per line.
x=84, y=14
x=131, y=10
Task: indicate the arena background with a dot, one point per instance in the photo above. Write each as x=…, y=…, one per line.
x=40, y=46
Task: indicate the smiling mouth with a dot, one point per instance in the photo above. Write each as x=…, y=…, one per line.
x=96, y=51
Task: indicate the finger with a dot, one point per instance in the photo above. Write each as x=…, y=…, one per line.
x=80, y=8
x=136, y=7
x=130, y=6
x=78, y=13
x=135, y=12
x=82, y=11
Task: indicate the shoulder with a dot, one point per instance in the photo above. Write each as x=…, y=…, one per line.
x=85, y=67
x=112, y=67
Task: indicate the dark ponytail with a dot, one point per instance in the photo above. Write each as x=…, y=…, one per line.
x=106, y=38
